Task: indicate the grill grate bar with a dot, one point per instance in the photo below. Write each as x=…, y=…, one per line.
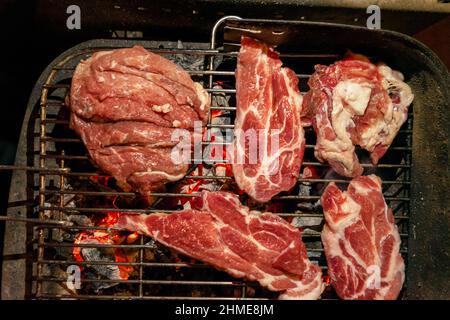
x=201, y=73
x=122, y=297
x=66, y=122
x=217, y=161
x=132, y=246
x=160, y=282
x=204, y=143
x=66, y=172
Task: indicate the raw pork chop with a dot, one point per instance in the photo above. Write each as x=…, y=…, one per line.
x=361, y=241
x=354, y=102
x=126, y=104
x=247, y=244
x=268, y=108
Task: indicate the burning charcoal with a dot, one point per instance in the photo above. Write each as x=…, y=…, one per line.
x=189, y=62
x=81, y=220
x=302, y=222
x=220, y=100
x=304, y=189
x=149, y=251
x=100, y=237
x=110, y=272
x=314, y=254
x=101, y=271
x=55, y=287
x=307, y=188
x=310, y=207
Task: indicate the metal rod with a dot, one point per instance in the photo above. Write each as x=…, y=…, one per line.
x=134, y=297
x=307, y=146
x=36, y=221
x=36, y=169
x=158, y=282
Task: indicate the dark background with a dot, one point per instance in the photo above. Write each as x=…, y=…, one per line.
x=35, y=32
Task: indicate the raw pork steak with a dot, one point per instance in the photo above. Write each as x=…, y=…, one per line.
x=126, y=104
x=268, y=113
x=247, y=244
x=354, y=102
x=361, y=241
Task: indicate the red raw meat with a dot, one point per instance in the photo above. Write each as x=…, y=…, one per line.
x=268, y=99
x=361, y=241
x=126, y=104
x=136, y=84
x=246, y=244
x=354, y=102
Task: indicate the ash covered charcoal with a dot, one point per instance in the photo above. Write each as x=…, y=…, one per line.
x=96, y=247
x=189, y=186
x=314, y=250
x=306, y=188
x=219, y=152
x=80, y=220
x=55, y=287
x=309, y=221
x=68, y=202
x=221, y=138
x=191, y=62
x=150, y=250
x=110, y=272
x=105, y=271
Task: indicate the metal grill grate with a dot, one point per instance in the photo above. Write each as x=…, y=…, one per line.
x=61, y=162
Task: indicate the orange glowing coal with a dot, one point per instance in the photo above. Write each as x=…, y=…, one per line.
x=326, y=280
x=108, y=237
x=216, y=113
x=103, y=180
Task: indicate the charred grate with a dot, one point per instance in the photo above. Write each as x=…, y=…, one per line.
x=67, y=187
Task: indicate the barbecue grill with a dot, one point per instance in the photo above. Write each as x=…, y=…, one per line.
x=55, y=167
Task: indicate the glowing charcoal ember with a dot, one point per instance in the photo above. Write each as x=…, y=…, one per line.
x=102, y=180
x=132, y=237
x=106, y=237
x=326, y=280
x=217, y=149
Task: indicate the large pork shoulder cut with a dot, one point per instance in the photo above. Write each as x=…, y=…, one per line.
x=246, y=244
x=125, y=104
x=361, y=241
x=268, y=112
x=354, y=102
